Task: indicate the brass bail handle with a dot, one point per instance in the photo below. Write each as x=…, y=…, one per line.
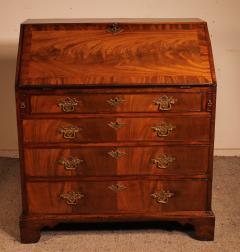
x=72, y=163
x=69, y=132
x=163, y=129
x=162, y=196
x=71, y=198
x=163, y=161
x=165, y=102
x=68, y=104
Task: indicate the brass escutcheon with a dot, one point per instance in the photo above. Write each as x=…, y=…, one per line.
x=116, y=125
x=162, y=196
x=116, y=101
x=117, y=187
x=68, y=104
x=165, y=102
x=116, y=154
x=69, y=132
x=114, y=28
x=164, y=129
x=72, y=163
x=163, y=161
x=71, y=198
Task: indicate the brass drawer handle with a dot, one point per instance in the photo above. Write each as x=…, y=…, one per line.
x=116, y=101
x=116, y=154
x=71, y=198
x=114, y=28
x=68, y=104
x=164, y=129
x=117, y=187
x=163, y=161
x=116, y=125
x=72, y=163
x=162, y=196
x=69, y=132
x=165, y=102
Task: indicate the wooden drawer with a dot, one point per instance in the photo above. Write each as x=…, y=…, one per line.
x=110, y=161
x=167, y=128
x=94, y=103
x=116, y=196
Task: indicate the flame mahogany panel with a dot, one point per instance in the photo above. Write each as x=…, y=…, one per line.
x=44, y=197
x=89, y=54
x=188, y=128
x=135, y=161
x=99, y=103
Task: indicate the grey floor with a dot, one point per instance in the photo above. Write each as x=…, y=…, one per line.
x=226, y=205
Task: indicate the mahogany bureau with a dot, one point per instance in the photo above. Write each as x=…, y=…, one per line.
x=115, y=122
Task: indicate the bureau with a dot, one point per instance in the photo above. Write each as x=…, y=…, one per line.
x=115, y=122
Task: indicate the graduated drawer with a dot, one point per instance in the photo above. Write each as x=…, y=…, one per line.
x=167, y=128
x=111, y=161
x=95, y=103
x=116, y=196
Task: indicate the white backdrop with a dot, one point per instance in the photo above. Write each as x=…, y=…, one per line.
x=224, y=24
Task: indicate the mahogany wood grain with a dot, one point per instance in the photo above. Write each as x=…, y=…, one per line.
x=114, y=90
x=134, y=129
x=188, y=160
x=203, y=221
x=144, y=59
x=80, y=54
x=45, y=198
x=95, y=103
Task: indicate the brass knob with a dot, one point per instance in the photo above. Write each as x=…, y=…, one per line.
x=68, y=104
x=71, y=198
x=165, y=102
x=72, y=163
x=162, y=196
x=163, y=161
x=164, y=129
x=69, y=132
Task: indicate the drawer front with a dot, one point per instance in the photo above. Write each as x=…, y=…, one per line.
x=93, y=103
x=110, y=161
x=116, y=196
x=168, y=128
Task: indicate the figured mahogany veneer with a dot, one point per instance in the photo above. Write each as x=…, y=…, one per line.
x=136, y=196
x=115, y=122
x=191, y=128
x=138, y=53
x=106, y=103
x=100, y=161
